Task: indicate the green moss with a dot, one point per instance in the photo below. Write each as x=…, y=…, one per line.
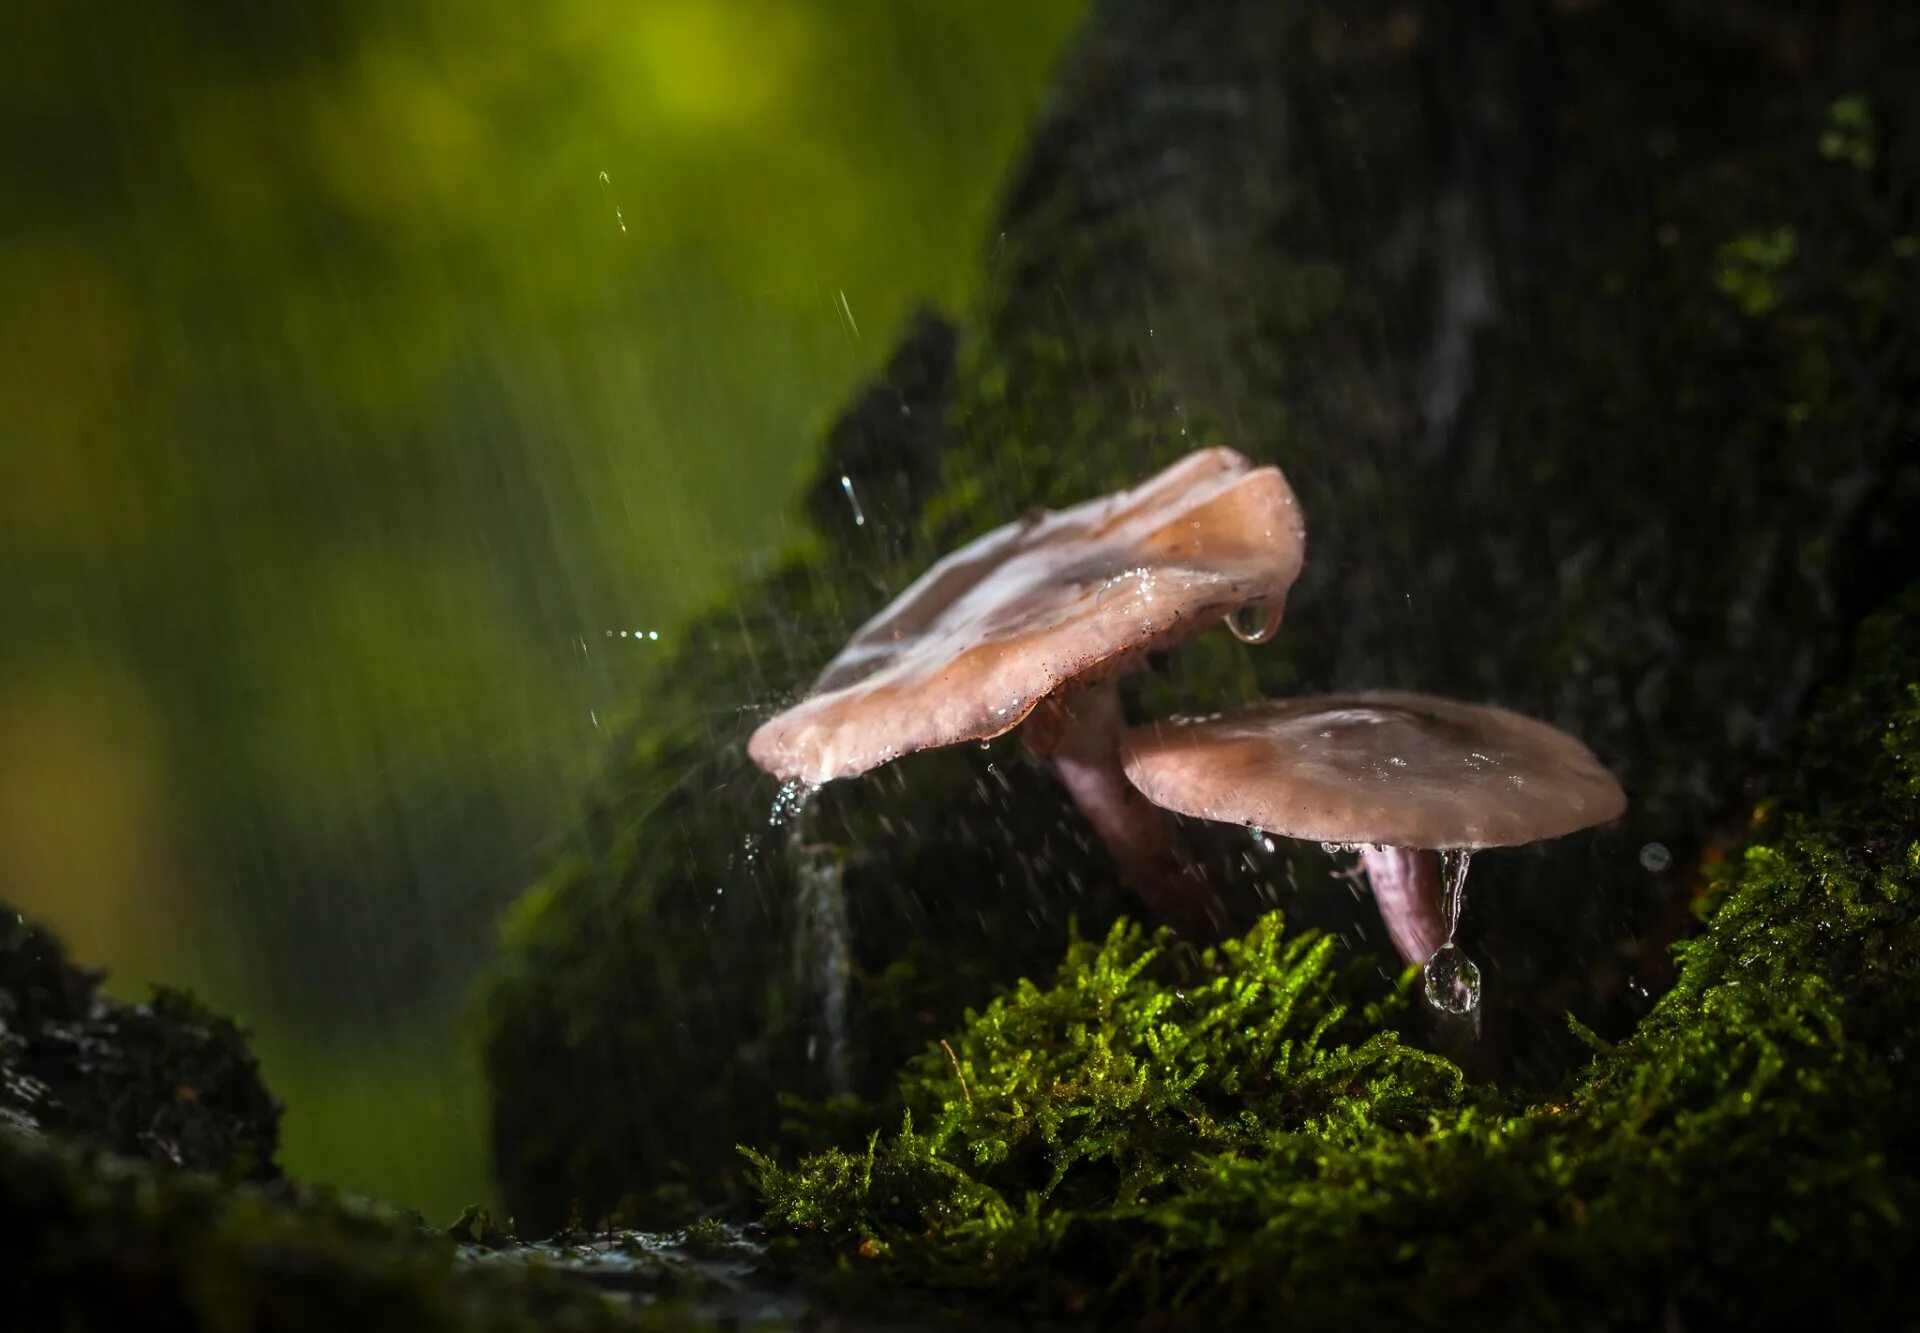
x=1748, y=266
x=1222, y=1134
x=1107, y=1093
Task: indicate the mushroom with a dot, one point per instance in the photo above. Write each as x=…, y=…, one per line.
x=1395, y=775
x=1035, y=622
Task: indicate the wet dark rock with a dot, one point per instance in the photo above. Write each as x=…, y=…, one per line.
x=95, y=1241
x=168, y=1080
x=1589, y=336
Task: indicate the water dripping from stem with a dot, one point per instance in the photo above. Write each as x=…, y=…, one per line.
x=1452, y=980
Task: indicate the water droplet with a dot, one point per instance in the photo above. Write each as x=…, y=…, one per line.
x=1253, y=624
x=859, y=514
x=791, y=799
x=1139, y=580
x=1655, y=857
x=1452, y=980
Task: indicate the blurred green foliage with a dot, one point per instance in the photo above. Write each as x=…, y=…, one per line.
x=366, y=370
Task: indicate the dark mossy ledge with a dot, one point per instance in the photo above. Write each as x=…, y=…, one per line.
x=92, y=1241
x=169, y=1080
x=1228, y=1138
x=1589, y=336
x=138, y=1190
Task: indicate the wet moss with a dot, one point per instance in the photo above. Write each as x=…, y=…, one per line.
x=1060, y=1113
x=1222, y=1138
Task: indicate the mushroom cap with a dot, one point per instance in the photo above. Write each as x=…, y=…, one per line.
x=970, y=649
x=1381, y=766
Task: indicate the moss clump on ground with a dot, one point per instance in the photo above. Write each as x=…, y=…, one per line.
x=1061, y=1114
x=1228, y=1143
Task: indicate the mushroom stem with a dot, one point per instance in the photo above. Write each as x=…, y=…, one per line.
x=1406, y=887
x=1079, y=737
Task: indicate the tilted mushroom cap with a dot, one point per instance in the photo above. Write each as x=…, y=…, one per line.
x=987, y=633
x=1382, y=766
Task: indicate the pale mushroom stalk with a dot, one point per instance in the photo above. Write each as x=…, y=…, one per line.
x=1406, y=889
x=1080, y=741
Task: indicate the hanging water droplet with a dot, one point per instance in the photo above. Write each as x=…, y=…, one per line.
x=1454, y=862
x=1452, y=980
x=1253, y=624
x=859, y=514
x=1655, y=858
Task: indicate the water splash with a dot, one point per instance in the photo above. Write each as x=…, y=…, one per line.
x=823, y=942
x=828, y=955
x=859, y=514
x=1252, y=624
x=1453, y=979
x=789, y=801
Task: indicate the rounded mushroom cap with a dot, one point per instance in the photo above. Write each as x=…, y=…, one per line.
x=1382, y=766
x=987, y=633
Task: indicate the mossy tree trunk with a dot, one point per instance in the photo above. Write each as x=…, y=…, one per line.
x=1589, y=335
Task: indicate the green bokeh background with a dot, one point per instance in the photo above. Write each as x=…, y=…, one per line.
x=366, y=369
